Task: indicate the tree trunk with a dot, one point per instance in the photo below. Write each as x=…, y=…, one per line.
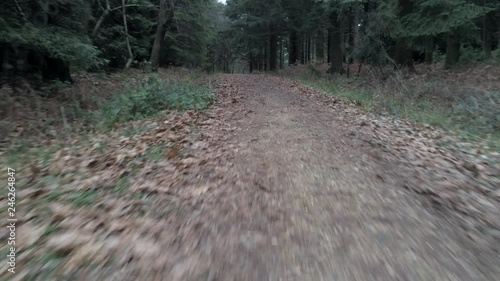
x=155, y=52
x=403, y=53
x=129, y=48
x=452, y=50
x=487, y=45
x=487, y=37
x=309, y=53
x=282, y=58
x=356, y=22
x=302, y=50
x=101, y=19
x=488, y=29
x=328, y=46
x=165, y=14
x=320, y=50
x=294, y=48
x=273, y=49
x=429, y=49
x=105, y=13
x=266, y=55
x=336, y=56
x=250, y=63
x=350, y=33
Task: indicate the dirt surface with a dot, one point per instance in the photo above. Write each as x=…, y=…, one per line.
x=321, y=202
x=276, y=182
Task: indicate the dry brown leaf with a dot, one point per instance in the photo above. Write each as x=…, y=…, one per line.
x=173, y=152
x=65, y=243
x=29, y=234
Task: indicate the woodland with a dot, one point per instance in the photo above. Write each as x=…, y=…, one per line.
x=250, y=139
x=54, y=38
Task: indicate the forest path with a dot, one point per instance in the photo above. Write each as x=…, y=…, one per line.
x=311, y=197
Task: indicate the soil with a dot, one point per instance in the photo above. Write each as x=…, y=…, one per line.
x=281, y=183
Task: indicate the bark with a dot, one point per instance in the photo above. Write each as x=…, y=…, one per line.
x=351, y=37
x=101, y=19
x=266, y=56
x=487, y=45
x=429, y=49
x=294, y=48
x=105, y=13
x=250, y=63
x=328, y=46
x=165, y=14
x=129, y=48
x=282, y=58
x=155, y=52
x=336, y=55
x=487, y=37
x=356, y=30
x=303, y=49
x=308, y=47
x=452, y=49
x=273, y=48
x=320, y=50
x=403, y=53
x=20, y=11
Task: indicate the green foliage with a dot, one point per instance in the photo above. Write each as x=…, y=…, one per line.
x=469, y=54
x=475, y=112
x=110, y=38
x=153, y=96
x=433, y=17
x=378, y=24
x=189, y=39
x=61, y=37
x=83, y=198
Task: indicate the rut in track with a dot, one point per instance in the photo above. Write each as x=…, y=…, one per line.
x=306, y=198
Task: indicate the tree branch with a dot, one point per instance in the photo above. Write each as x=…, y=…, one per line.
x=109, y=10
x=101, y=19
x=20, y=11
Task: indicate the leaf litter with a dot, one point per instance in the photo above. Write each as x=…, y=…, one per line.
x=214, y=195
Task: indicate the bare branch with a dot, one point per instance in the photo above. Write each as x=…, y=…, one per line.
x=20, y=11
x=108, y=10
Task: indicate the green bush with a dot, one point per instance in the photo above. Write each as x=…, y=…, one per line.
x=152, y=96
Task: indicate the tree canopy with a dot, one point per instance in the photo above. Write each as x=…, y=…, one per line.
x=55, y=37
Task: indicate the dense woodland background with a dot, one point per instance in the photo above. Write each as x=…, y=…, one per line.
x=431, y=61
x=132, y=149
x=50, y=39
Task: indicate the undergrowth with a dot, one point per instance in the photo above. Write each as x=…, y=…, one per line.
x=151, y=97
x=86, y=114
x=472, y=111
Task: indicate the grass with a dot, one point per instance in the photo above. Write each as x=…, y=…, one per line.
x=50, y=261
x=45, y=154
x=83, y=198
x=473, y=112
x=150, y=98
x=155, y=153
x=122, y=185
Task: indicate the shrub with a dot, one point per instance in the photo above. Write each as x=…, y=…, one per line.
x=152, y=96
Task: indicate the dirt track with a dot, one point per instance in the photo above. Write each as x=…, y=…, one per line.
x=308, y=196
x=276, y=182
